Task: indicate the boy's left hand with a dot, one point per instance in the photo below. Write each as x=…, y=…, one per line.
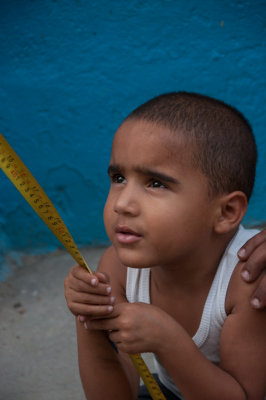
x=135, y=327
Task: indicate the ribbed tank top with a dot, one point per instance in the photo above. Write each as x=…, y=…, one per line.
x=207, y=337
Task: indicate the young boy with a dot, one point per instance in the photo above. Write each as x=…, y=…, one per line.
x=182, y=170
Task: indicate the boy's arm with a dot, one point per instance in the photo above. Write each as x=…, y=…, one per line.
x=104, y=372
x=243, y=340
x=242, y=371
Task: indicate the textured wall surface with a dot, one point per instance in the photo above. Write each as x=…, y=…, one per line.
x=70, y=71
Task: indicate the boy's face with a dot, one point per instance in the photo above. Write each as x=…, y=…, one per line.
x=158, y=211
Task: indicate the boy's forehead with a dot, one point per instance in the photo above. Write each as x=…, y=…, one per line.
x=142, y=144
x=140, y=133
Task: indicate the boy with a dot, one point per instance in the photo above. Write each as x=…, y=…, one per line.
x=182, y=170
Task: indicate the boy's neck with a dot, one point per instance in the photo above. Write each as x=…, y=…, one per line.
x=196, y=270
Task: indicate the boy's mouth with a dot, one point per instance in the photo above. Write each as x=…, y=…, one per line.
x=126, y=235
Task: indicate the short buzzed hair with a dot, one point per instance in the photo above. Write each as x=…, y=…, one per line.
x=222, y=142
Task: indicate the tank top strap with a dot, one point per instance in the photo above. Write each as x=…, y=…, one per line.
x=138, y=285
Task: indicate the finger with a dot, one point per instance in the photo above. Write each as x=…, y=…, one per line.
x=115, y=337
x=255, y=265
x=103, y=277
x=77, y=283
x=82, y=303
x=93, y=279
x=93, y=299
x=259, y=297
x=105, y=324
x=82, y=318
x=80, y=273
x=80, y=286
x=116, y=311
x=91, y=311
x=250, y=246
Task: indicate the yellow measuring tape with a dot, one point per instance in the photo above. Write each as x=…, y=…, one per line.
x=27, y=185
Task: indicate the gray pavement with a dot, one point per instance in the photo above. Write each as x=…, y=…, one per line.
x=38, y=358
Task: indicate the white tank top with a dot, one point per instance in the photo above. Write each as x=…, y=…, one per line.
x=207, y=337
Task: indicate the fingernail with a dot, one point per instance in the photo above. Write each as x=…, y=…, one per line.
x=242, y=253
x=110, y=308
x=255, y=302
x=108, y=290
x=85, y=325
x=81, y=318
x=112, y=299
x=246, y=275
x=93, y=281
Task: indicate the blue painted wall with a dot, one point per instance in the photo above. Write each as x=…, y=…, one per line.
x=70, y=71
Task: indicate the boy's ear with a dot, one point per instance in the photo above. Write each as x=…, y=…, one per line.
x=231, y=209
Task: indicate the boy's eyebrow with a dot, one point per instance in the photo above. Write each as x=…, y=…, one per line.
x=114, y=168
x=156, y=174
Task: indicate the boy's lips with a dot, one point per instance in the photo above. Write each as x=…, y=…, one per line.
x=126, y=235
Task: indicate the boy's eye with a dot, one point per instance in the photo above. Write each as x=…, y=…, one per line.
x=157, y=184
x=117, y=178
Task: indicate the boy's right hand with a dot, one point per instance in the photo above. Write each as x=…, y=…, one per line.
x=88, y=295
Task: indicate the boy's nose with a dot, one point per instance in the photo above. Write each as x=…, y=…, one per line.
x=126, y=202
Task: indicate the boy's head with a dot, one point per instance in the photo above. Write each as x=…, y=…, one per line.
x=220, y=138
x=182, y=167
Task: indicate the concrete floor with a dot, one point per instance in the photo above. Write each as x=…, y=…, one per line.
x=38, y=358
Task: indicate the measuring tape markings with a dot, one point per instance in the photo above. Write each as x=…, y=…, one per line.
x=30, y=189
x=27, y=185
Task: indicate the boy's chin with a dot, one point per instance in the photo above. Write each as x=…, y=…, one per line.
x=131, y=259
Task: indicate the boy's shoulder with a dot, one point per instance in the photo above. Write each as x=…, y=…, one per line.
x=242, y=340
x=241, y=237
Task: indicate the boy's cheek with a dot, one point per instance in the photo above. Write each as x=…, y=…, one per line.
x=107, y=219
x=106, y=213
